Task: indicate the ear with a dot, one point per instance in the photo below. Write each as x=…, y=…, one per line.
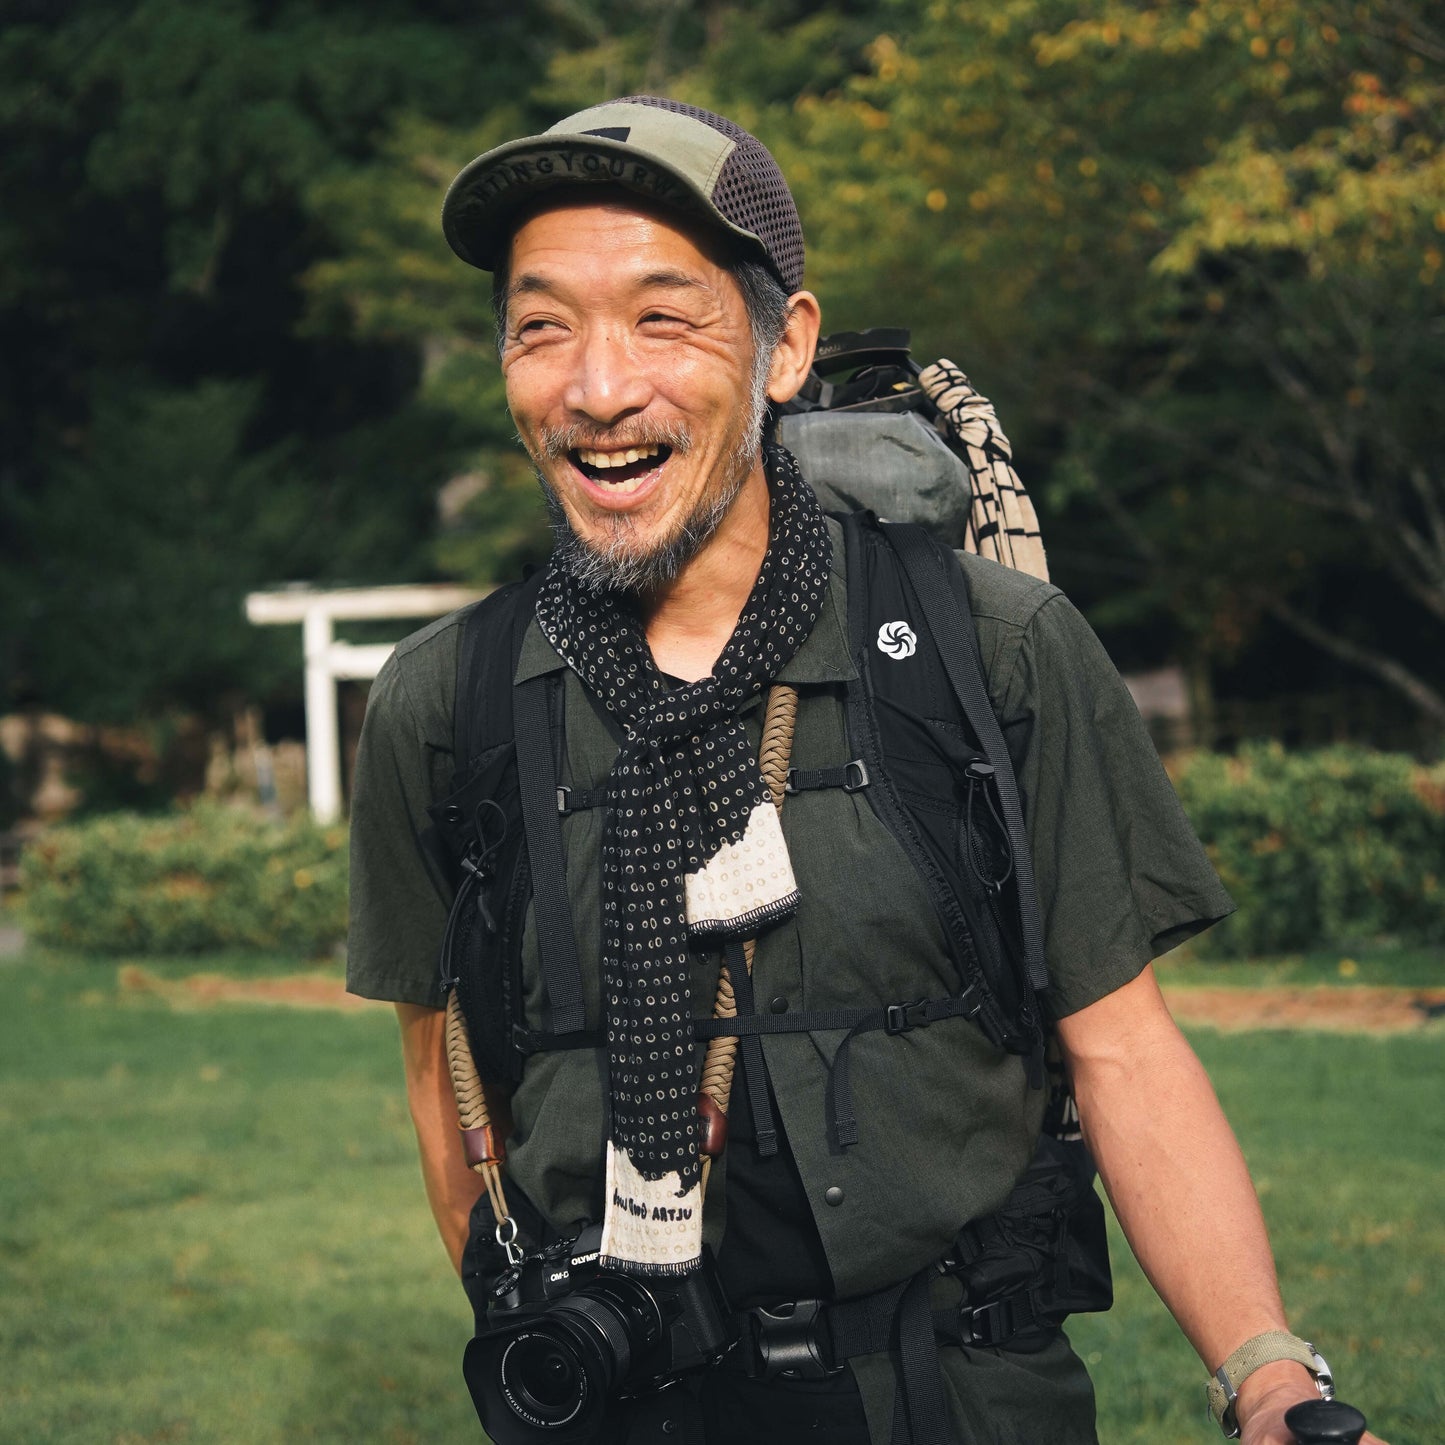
x=794, y=354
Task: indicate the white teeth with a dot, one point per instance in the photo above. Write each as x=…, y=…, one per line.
x=603, y=460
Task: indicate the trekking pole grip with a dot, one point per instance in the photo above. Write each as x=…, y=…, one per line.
x=1325, y=1422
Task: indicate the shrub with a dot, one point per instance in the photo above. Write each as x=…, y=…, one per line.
x=209, y=877
x=1320, y=847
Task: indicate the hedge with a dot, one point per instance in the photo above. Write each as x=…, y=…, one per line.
x=208, y=878
x=1328, y=847
x=1332, y=847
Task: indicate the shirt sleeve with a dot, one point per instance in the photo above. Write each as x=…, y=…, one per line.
x=400, y=894
x=1121, y=876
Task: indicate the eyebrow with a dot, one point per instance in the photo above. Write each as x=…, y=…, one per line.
x=531, y=284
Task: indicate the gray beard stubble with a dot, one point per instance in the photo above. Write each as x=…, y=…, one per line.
x=614, y=562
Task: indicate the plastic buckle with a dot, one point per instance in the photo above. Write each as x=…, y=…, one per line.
x=789, y=1341
x=564, y=796
x=902, y=1018
x=855, y=770
x=985, y=1325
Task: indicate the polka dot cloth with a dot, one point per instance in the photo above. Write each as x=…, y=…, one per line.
x=690, y=826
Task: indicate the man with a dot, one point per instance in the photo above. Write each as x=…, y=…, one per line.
x=647, y=261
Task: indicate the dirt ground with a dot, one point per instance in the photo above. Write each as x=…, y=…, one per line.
x=204, y=990
x=1359, y=1009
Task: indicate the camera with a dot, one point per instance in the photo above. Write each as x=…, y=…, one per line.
x=565, y=1338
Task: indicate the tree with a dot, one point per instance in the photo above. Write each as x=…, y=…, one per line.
x=157, y=162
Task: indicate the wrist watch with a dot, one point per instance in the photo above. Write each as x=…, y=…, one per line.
x=1266, y=1349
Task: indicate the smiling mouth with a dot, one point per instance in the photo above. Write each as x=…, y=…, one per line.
x=619, y=471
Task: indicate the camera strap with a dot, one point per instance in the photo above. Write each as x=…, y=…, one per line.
x=484, y=1132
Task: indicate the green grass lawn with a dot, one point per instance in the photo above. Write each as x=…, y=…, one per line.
x=1339, y=967
x=212, y=1227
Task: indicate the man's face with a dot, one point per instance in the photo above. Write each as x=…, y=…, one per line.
x=629, y=369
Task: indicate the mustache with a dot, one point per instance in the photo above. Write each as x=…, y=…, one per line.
x=555, y=442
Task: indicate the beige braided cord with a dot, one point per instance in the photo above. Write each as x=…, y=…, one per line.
x=1002, y=522
x=483, y=1135
x=722, y=1053
x=483, y=1140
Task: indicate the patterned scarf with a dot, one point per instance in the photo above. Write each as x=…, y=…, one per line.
x=692, y=853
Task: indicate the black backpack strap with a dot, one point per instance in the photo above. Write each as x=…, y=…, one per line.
x=950, y=621
x=482, y=710
x=490, y=711
x=537, y=778
x=863, y=733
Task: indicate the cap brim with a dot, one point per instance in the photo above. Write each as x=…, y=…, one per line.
x=482, y=201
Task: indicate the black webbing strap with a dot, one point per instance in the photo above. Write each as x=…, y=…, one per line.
x=896, y=1018
x=754, y=1066
x=852, y=777
x=920, y=1415
x=538, y=1041
x=900, y=1319
x=580, y=800
x=950, y=622
x=537, y=784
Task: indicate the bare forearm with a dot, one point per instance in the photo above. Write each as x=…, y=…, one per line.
x=451, y=1187
x=1177, y=1179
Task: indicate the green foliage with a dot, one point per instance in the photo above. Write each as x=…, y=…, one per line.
x=211, y=877
x=203, y=523
x=1194, y=252
x=1320, y=848
x=168, y=436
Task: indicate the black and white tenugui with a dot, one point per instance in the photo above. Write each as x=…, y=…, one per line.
x=692, y=851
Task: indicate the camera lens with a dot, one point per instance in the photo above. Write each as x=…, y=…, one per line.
x=549, y=1376
x=544, y=1378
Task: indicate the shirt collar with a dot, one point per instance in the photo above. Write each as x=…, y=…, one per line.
x=823, y=657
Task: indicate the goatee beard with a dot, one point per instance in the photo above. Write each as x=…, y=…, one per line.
x=614, y=562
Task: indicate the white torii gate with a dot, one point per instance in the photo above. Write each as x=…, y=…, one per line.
x=329, y=661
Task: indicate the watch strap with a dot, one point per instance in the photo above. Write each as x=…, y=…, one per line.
x=1265, y=1349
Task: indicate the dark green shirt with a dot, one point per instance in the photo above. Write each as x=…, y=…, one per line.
x=946, y=1121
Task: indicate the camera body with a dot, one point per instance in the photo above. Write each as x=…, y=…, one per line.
x=564, y=1338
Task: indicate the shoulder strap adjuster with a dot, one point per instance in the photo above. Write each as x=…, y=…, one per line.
x=902, y=1018
x=852, y=777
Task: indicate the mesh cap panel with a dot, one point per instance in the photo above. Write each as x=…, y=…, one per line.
x=750, y=192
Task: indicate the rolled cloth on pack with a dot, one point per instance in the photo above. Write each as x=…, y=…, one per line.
x=1003, y=524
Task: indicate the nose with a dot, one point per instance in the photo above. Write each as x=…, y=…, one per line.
x=607, y=382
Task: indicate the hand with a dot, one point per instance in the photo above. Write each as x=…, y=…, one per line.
x=1262, y=1419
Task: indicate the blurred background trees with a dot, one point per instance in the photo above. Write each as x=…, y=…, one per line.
x=1192, y=251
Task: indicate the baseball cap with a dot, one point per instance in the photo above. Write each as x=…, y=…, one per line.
x=673, y=154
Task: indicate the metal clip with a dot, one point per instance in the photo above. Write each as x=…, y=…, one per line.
x=507, y=1238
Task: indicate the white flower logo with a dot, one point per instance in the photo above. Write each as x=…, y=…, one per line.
x=897, y=640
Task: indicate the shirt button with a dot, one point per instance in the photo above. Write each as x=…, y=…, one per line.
x=779, y=1005
x=833, y=1195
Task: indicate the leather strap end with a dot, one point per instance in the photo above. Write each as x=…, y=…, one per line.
x=484, y=1146
x=714, y=1126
